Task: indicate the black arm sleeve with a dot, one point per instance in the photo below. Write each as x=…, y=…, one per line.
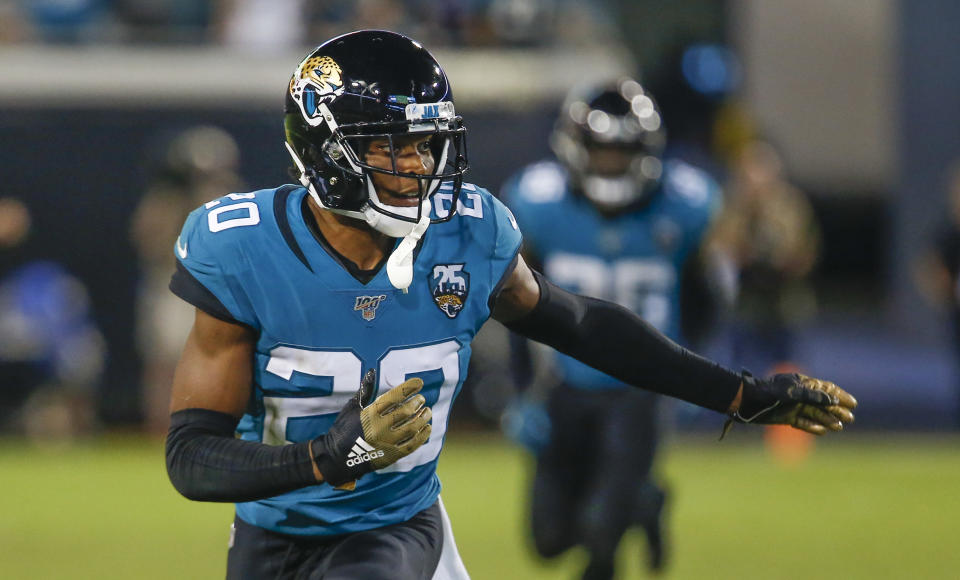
x=616, y=341
x=206, y=463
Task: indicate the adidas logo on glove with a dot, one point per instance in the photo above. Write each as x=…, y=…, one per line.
x=361, y=452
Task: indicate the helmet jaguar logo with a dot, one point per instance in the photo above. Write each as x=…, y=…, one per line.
x=316, y=81
x=449, y=285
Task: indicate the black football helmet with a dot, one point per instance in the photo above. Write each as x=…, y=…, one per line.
x=372, y=84
x=611, y=139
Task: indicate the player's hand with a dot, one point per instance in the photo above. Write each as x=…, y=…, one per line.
x=809, y=404
x=368, y=436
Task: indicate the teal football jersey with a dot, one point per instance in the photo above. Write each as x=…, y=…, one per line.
x=634, y=259
x=251, y=258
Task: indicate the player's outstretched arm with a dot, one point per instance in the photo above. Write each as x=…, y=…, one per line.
x=616, y=341
x=211, y=390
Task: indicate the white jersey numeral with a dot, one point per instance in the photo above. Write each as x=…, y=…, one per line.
x=400, y=362
x=237, y=214
x=344, y=368
x=469, y=203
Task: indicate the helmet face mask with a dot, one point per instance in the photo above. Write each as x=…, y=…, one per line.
x=350, y=145
x=611, y=139
x=363, y=87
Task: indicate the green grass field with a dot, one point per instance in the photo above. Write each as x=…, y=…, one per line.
x=859, y=507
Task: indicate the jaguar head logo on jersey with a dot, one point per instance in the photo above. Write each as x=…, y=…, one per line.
x=449, y=285
x=367, y=305
x=316, y=81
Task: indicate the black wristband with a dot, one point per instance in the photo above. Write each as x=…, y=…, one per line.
x=616, y=341
x=340, y=453
x=206, y=463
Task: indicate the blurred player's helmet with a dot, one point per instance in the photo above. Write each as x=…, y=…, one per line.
x=364, y=85
x=611, y=138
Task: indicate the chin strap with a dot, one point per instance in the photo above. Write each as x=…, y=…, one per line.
x=400, y=262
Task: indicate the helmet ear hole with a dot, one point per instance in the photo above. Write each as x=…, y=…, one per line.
x=333, y=150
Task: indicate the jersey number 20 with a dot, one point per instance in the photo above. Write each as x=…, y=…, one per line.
x=344, y=369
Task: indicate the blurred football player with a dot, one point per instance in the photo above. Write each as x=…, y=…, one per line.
x=376, y=271
x=630, y=222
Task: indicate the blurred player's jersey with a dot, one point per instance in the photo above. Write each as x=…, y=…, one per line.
x=251, y=258
x=634, y=259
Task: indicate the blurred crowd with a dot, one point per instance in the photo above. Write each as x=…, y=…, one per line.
x=51, y=352
x=253, y=24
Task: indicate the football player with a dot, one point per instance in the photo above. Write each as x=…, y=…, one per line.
x=334, y=320
x=632, y=221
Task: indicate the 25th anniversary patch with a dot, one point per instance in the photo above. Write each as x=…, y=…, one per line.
x=449, y=286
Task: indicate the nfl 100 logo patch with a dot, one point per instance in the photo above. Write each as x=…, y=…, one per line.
x=367, y=305
x=449, y=285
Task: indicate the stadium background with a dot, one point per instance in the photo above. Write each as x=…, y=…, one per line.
x=861, y=98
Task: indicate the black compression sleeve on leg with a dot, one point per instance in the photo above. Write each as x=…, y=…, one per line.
x=206, y=463
x=614, y=340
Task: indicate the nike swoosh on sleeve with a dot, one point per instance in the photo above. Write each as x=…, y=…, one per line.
x=182, y=250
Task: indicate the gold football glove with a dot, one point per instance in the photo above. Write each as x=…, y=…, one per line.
x=812, y=405
x=372, y=435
